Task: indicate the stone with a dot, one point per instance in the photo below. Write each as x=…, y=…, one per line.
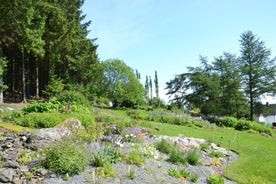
x=73, y=124
x=13, y=164
x=7, y=174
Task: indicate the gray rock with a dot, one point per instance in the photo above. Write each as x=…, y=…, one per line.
x=73, y=124
x=13, y=164
x=7, y=174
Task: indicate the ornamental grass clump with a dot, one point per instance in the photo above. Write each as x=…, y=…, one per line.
x=192, y=157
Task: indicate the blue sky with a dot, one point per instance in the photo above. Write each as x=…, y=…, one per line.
x=169, y=35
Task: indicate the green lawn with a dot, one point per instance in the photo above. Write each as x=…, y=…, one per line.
x=257, y=162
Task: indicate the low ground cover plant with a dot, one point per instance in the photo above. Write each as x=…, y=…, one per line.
x=215, y=179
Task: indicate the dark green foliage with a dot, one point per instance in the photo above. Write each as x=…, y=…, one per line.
x=66, y=157
x=193, y=157
x=71, y=98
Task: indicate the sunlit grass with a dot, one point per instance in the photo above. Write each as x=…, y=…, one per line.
x=257, y=160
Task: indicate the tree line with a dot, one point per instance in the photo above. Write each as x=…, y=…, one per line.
x=230, y=85
x=45, y=49
x=41, y=41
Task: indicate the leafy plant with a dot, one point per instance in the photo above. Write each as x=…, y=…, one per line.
x=106, y=171
x=66, y=156
x=108, y=155
x=178, y=173
x=215, y=179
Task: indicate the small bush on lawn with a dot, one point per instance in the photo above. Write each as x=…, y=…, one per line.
x=40, y=107
x=215, y=179
x=66, y=157
x=192, y=157
x=164, y=146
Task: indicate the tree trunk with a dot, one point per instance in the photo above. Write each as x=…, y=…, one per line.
x=37, y=80
x=23, y=79
x=1, y=92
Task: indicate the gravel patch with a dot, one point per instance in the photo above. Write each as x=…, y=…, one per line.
x=154, y=171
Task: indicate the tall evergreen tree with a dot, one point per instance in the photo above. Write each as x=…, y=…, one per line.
x=257, y=68
x=147, y=87
x=156, y=85
x=150, y=87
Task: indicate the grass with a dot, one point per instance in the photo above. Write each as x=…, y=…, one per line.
x=257, y=153
x=13, y=127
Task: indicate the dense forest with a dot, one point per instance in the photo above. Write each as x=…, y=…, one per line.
x=45, y=49
x=42, y=41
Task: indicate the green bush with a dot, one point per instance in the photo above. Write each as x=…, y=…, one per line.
x=13, y=116
x=40, y=107
x=192, y=157
x=40, y=120
x=215, y=179
x=66, y=157
x=229, y=121
x=108, y=155
x=164, y=146
x=71, y=98
x=135, y=157
x=243, y=125
x=177, y=157
x=48, y=120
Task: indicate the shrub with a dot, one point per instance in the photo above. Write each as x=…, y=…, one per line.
x=106, y=171
x=177, y=157
x=135, y=157
x=215, y=179
x=71, y=98
x=192, y=157
x=91, y=133
x=40, y=120
x=66, y=157
x=12, y=116
x=108, y=155
x=40, y=107
x=243, y=125
x=229, y=121
x=47, y=120
x=164, y=146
